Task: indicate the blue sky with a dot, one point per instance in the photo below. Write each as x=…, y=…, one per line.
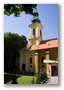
x=48, y=14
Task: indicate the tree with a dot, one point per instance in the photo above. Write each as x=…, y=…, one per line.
x=16, y=9
x=23, y=41
x=12, y=44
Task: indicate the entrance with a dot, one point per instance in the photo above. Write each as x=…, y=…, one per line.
x=23, y=67
x=54, y=71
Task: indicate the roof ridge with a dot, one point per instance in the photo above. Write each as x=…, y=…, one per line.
x=50, y=39
x=44, y=41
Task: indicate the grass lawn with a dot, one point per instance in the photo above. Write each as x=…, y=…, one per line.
x=21, y=79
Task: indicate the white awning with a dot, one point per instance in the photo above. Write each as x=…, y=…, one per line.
x=50, y=61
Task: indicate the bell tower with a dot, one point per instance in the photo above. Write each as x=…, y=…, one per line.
x=35, y=29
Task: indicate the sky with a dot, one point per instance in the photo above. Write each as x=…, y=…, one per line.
x=48, y=15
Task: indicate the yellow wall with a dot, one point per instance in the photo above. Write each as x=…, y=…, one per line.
x=36, y=59
x=42, y=54
x=54, y=54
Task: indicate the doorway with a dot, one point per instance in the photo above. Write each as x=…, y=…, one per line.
x=23, y=67
x=54, y=71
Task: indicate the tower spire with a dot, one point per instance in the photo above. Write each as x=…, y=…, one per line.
x=35, y=29
x=35, y=16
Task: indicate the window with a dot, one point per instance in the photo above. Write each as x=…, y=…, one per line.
x=30, y=66
x=40, y=33
x=34, y=32
x=42, y=59
x=30, y=59
x=42, y=66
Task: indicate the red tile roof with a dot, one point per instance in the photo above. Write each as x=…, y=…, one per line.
x=45, y=44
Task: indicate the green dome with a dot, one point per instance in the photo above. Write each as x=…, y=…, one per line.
x=35, y=16
x=35, y=20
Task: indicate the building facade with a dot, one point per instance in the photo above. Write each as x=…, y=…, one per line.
x=40, y=55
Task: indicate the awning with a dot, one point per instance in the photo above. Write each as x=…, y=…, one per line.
x=50, y=61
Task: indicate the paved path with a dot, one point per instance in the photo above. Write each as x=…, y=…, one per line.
x=52, y=80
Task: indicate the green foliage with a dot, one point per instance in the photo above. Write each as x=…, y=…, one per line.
x=33, y=81
x=12, y=44
x=8, y=77
x=21, y=79
x=32, y=73
x=38, y=80
x=23, y=41
x=14, y=81
x=41, y=77
x=16, y=9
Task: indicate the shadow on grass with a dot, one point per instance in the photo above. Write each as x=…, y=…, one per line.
x=9, y=77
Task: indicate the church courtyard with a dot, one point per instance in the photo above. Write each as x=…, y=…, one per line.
x=21, y=79
x=26, y=79
x=34, y=61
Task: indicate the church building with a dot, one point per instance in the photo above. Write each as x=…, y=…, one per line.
x=40, y=55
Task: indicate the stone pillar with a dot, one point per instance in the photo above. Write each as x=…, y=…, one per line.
x=47, y=56
x=37, y=42
x=36, y=62
x=48, y=66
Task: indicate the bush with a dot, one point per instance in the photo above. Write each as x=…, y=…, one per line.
x=44, y=81
x=25, y=73
x=38, y=81
x=14, y=81
x=33, y=81
x=41, y=77
x=32, y=74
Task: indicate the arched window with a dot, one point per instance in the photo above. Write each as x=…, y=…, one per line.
x=42, y=59
x=30, y=59
x=34, y=32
